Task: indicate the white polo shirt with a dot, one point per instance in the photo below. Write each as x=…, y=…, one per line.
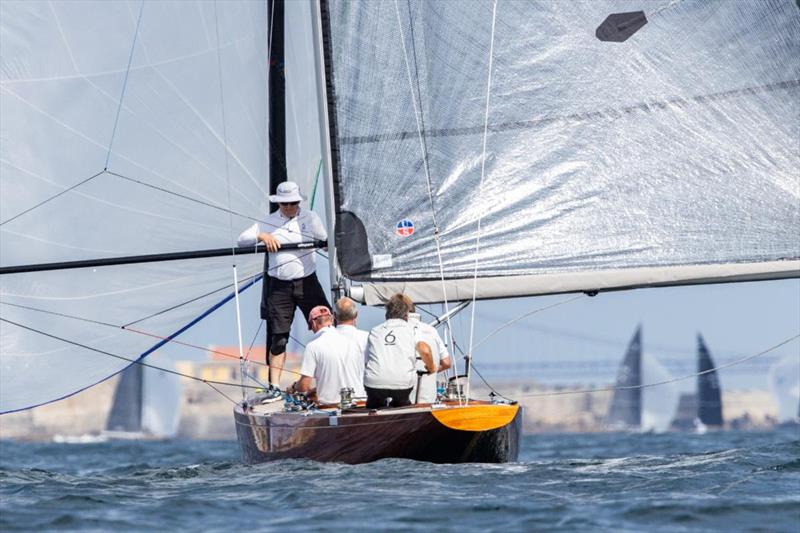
x=335, y=362
x=391, y=356
x=428, y=334
x=356, y=335
x=289, y=264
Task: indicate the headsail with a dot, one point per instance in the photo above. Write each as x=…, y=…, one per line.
x=668, y=157
x=127, y=128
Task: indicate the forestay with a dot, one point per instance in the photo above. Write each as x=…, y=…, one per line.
x=127, y=128
x=658, y=148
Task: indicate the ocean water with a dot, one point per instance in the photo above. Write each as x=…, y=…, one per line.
x=727, y=481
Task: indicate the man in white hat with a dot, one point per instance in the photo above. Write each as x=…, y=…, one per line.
x=290, y=280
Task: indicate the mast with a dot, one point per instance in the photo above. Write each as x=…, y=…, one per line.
x=276, y=117
x=318, y=26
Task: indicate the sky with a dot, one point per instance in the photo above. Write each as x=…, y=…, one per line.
x=583, y=340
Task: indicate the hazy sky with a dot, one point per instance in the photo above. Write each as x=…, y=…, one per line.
x=583, y=341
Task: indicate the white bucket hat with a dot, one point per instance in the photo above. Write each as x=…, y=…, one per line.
x=288, y=191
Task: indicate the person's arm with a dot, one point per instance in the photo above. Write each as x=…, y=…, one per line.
x=248, y=237
x=269, y=241
x=426, y=355
x=301, y=385
x=444, y=356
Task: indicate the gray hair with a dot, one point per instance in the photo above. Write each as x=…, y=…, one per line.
x=345, y=310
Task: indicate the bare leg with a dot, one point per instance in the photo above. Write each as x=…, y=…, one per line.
x=276, y=363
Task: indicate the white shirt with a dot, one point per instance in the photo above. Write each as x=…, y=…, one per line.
x=335, y=362
x=391, y=356
x=356, y=335
x=427, y=334
x=289, y=264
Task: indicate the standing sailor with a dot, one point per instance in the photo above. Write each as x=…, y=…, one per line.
x=290, y=280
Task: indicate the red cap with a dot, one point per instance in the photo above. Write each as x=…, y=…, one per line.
x=317, y=312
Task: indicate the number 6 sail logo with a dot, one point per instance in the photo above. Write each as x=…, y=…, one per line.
x=389, y=339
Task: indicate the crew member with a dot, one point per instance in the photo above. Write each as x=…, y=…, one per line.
x=331, y=359
x=290, y=280
x=390, y=372
x=346, y=314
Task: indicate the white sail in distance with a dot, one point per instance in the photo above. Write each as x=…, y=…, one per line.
x=664, y=156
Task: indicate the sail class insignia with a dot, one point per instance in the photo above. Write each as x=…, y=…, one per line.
x=619, y=27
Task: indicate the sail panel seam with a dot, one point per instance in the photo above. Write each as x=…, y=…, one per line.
x=124, y=84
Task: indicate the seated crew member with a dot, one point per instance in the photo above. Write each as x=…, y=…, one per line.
x=290, y=279
x=330, y=359
x=391, y=362
x=346, y=314
x=439, y=354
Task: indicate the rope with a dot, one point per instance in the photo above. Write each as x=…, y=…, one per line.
x=147, y=334
x=480, y=189
x=419, y=119
x=666, y=381
x=511, y=322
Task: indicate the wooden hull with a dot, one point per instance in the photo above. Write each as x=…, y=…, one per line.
x=479, y=433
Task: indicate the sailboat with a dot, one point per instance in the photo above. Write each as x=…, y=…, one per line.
x=469, y=151
x=701, y=410
x=145, y=405
x=634, y=407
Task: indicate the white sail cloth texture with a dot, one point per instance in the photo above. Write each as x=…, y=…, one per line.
x=127, y=128
x=624, y=148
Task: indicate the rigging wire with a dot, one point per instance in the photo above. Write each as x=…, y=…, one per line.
x=525, y=315
x=420, y=121
x=117, y=356
x=230, y=203
x=480, y=190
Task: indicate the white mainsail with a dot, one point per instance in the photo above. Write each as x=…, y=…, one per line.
x=668, y=158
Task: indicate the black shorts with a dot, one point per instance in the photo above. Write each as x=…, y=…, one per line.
x=376, y=398
x=284, y=296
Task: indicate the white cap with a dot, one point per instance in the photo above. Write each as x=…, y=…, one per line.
x=288, y=191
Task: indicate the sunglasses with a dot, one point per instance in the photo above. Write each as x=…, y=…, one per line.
x=289, y=203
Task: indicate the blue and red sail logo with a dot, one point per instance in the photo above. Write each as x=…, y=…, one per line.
x=404, y=228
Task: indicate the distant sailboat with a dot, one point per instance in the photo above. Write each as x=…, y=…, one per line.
x=145, y=405
x=709, y=398
x=625, y=411
x=701, y=410
x=641, y=409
